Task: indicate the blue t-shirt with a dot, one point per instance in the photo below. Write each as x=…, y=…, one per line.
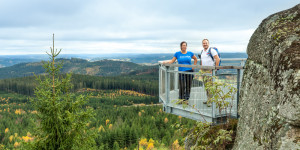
x=184, y=59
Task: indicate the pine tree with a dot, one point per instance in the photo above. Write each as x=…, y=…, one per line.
x=62, y=118
x=116, y=146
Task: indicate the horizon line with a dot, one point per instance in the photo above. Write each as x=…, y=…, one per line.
x=99, y=53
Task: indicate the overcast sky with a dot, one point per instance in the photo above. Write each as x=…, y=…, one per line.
x=130, y=26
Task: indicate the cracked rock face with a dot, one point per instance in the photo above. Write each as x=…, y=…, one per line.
x=269, y=105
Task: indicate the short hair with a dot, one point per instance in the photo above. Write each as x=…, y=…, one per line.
x=206, y=40
x=183, y=43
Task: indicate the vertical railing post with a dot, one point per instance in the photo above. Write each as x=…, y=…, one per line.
x=213, y=105
x=159, y=83
x=242, y=63
x=167, y=86
x=238, y=92
x=242, y=71
x=176, y=78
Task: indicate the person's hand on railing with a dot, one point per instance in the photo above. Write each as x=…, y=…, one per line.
x=165, y=62
x=169, y=61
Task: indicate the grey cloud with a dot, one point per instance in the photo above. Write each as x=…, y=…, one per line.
x=160, y=24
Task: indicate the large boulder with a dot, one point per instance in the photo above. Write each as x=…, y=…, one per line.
x=269, y=104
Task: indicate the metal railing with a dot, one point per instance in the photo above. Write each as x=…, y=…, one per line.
x=171, y=89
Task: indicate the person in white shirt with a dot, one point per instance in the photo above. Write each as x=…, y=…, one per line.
x=206, y=60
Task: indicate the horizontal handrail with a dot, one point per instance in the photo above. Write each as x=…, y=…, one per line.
x=204, y=67
x=234, y=59
x=222, y=59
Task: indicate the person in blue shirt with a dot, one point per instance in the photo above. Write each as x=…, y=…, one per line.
x=185, y=80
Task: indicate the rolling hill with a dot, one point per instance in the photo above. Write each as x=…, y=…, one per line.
x=79, y=66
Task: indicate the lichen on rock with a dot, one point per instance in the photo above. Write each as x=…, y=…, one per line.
x=269, y=105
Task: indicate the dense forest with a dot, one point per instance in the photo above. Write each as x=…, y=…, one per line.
x=145, y=83
x=127, y=113
x=124, y=118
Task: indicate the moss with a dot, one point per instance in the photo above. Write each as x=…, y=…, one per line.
x=283, y=26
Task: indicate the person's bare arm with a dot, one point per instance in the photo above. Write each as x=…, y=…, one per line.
x=170, y=61
x=195, y=60
x=217, y=59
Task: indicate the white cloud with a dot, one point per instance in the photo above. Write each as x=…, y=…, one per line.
x=227, y=41
x=129, y=26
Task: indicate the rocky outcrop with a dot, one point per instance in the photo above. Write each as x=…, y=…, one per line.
x=269, y=104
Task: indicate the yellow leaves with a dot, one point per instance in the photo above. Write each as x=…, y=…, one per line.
x=166, y=120
x=90, y=90
x=26, y=138
x=17, y=144
x=176, y=146
x=11, y=138
x=106, y=121
x=110, y=126
x=149, y=145
x=140, y=113
x=113, y=94
x=132, y=93
x=6, y=130
x=101, y=129
x=19, y=112
x=143, y=142
x=175, y=142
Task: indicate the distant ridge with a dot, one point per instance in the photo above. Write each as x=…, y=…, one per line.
x=9, y=60
x=79, y=66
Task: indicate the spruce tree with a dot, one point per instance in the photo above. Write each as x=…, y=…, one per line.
x=62, y=117
x=116, y=146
